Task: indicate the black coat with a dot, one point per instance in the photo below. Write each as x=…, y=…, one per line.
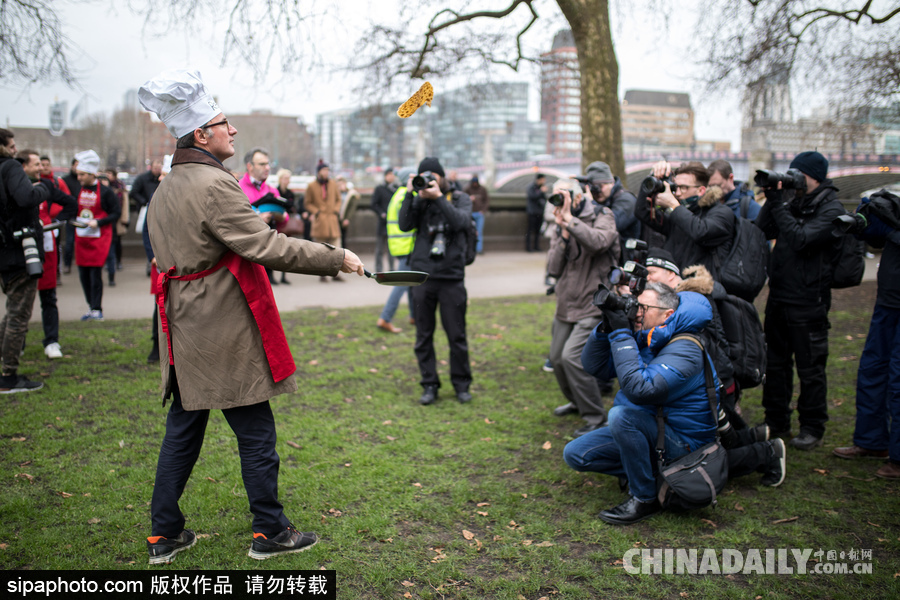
x=700, y=233
x=536, y=199
x=426, y=215
x=19, y=204
x=381, y=197
x=144, y=187
x=802, y=263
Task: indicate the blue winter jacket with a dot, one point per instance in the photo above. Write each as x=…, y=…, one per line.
x=653, y=372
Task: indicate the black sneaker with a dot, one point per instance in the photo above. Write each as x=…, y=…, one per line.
x=806, y=441
x=288, y=541
x=762, y=432
x=163, y=550
x=776, y=465
x=14, y=384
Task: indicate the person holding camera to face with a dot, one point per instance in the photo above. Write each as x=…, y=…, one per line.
x=699, y=229
x=20, y=229
x=441, y=217
x=582, y=251
x=800, y=207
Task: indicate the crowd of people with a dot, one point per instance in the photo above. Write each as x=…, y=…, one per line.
x=643, y=300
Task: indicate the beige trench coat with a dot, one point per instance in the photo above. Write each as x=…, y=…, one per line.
x=327, y=210
x=199, y=213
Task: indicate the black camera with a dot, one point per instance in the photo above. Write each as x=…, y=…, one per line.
x=606, y=298
x=652, y=186
x=556, y=199
x=633, y=275
x=422, y=180
x=33, y=264
x=438, y=241
x=792, y=179
x=638, y=249
x=849, y=224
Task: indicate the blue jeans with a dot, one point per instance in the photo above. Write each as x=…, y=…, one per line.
x=626, y=447
x=479, y=225
x=393, y=301
x=878, y=385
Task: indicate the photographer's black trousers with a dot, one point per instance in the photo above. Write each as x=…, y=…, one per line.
x=451, y=297
x=796, y=334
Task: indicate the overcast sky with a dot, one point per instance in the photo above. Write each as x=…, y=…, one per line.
x=117, y=57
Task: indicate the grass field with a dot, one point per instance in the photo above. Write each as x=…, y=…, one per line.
x=448, y=501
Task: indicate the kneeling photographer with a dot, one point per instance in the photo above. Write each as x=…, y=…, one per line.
x=582, y=251
x=19, y=202
x=441, y=217
x=877, y=221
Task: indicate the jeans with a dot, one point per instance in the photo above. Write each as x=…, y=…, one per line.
x=393, y=301
x=49, y=316
x=254, y=427
x=479, y=225
x=625, y=448
x=878, y=385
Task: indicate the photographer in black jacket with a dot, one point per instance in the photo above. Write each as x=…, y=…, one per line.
x=798, y=212
x=19, y=202
x=441, y=217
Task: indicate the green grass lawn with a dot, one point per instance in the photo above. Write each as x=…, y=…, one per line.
x=447, y=501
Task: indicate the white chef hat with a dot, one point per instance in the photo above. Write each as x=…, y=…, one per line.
x=88, y=162
x=180, y=100
x=167, y=163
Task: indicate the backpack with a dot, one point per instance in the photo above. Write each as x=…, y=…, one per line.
x=849, y=263
x=746, y=340
x=743, y=273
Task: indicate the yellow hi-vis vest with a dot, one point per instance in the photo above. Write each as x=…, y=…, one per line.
x=400, y=243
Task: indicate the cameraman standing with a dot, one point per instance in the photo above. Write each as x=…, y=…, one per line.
x=800, y=271
x=442, y=217
x=582, y=251
x=19, y=202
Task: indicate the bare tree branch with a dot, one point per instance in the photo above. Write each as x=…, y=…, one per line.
x=33, y=47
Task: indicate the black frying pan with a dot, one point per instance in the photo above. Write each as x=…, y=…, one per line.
x=398, y=277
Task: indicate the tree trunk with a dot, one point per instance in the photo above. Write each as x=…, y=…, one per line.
x=601, y=122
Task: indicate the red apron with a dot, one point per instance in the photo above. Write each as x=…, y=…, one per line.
x=92, y=251
x=258, y=292
x=48, y=279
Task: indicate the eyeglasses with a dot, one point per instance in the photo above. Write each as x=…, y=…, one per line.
x=222, y=122
x=646, y=307
x=675, y=188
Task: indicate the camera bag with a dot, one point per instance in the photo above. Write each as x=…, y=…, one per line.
x=695, y=479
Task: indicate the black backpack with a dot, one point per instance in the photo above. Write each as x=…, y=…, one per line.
x=743, y=272
x=849, y=263
x=746, y=340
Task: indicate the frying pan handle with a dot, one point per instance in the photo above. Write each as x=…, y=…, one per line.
x=366, y=271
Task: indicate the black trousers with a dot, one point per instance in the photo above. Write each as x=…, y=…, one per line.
x=451, y=297
x=796, y=334
x=92, y=284
x=49, y=316
x=533, y=233
x=254, y=427
x=747, y=459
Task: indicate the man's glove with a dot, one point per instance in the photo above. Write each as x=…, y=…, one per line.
x=615, y=319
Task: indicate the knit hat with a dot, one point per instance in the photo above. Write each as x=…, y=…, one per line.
x=322, y=165
x=180, y=100
x=88, y=162
x=599, y=172
x=431, y=163
x=811, y=163
x=657, y=257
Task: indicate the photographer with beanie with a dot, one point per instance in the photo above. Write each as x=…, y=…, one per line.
x=800, y=272
x=441, y=216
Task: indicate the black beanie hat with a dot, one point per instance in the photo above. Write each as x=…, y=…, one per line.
x=430, y=163
x=658, y=257
x=811, y=163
